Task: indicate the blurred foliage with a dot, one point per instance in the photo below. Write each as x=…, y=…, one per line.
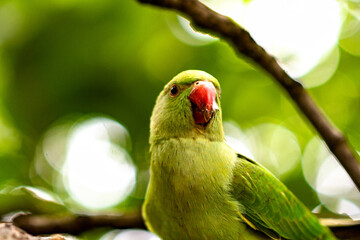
x=63, y=60
x=29, y=199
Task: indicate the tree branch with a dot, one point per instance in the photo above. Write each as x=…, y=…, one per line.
x=343, y=228
x=75, y=224
x=10, y=232
x=206, y=20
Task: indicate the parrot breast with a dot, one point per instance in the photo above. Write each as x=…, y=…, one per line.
x=188, y=191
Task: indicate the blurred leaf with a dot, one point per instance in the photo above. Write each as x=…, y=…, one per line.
x=25, y=198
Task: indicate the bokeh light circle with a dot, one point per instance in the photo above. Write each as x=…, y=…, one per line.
x=275, y=147
x=89, y=160
x=98, y=173
x=236, y=139
x=353, y=7
x=272, y=145
x=298, y=32
x=133, y=234
x=350, y=35
x=334, y=187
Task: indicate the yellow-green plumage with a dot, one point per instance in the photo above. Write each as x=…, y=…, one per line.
x=201, y=189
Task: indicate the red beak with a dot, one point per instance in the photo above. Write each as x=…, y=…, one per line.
x=203, y=100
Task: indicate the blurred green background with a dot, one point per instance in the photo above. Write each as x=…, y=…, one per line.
x=78, y=80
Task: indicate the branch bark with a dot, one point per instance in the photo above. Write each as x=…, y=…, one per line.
x=76, y=224
x=206, y=20
x=10, y=232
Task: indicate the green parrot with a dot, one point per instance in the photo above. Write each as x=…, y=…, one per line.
x=202, y=189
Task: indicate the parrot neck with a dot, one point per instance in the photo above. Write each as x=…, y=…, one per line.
x=157, y=136
x=165, y=129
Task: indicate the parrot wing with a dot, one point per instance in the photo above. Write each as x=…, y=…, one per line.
x=267, y=205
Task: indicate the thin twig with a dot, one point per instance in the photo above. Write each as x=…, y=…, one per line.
x=206, y=20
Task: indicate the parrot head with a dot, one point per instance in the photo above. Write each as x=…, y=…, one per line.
x=188, y=106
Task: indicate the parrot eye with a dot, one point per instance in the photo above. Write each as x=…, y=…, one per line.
x=174, y=90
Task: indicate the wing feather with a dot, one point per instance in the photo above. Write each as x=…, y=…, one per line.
x=271, y=207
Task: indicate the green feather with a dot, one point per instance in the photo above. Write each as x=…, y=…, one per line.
x=270, y=206
x=201, y=189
